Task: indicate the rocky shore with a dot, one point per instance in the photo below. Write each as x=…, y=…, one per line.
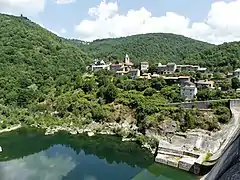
x=12, y=128
x=126, y=130
x=8, y=130
x=121, y=129
x=94, y=128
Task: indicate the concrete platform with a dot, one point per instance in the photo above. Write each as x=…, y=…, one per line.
x=172, y=162
x=186, y=163
x=161, y=158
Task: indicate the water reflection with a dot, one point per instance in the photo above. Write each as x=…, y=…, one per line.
x=29, y=155
x=39, y=166
x=60, y=162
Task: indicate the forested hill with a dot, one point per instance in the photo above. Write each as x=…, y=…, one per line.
x=224, y=57
x=155, y=47
x=31, y=56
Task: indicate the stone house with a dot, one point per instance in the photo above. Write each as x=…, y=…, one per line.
x=236, y=73
x=183, y=79
x=99, y=65
x=170, y=68
x=177, y=80
x=187, y=68
x=134, y=73
x=117, y=67
x=144, y=66
x=188, y=91
x=205, y=84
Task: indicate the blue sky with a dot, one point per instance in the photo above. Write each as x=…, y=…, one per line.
x=66, y=16
x=207, y=20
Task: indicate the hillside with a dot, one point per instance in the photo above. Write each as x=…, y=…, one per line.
x=32, y=58
x=158, y=47
x=224, y=57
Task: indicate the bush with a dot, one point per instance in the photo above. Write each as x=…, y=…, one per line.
x=224, y=118
x=215, y=105
x=223, y=114
x=149, y=92
x=3, y=126
x=213, y=125
x=141, y=139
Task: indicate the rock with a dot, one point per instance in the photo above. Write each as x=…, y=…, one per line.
x=90, y=134
x=128, y=139
x=73, y=132
x=80, y=131
x=168, y=126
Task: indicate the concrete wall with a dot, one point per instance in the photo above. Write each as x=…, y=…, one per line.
x=229, y=159
x=201, y=104
x=234, y=103
x=227, y=166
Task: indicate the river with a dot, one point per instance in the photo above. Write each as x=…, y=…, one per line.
x=29, y=155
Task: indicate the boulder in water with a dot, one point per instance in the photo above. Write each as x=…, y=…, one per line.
x=90, y=134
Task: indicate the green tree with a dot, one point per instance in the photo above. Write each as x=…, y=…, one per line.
x=235, y=83
x=110, y=93
x=158, y=83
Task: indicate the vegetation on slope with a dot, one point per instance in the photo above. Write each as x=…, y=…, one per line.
x=42, y=84
x=224, y=58
x=154, y=48
x=32, y=60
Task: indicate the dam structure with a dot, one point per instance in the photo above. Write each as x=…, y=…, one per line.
x=212, y=155
x=228, y=164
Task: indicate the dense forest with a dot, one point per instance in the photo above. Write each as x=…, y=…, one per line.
x=160, y=47
x=155, y=48
x=32, y=59
x=224, y=57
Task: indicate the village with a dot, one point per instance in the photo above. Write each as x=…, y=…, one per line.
x=172, y=73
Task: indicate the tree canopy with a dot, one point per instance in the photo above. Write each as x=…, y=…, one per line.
x=42, y=79
x=154, y=47
x=224, y=57
x=32, y=58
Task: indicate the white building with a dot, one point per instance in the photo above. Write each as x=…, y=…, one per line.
x=170, y=68
x=99, y=65
x=189, y=90
x=144, y=66
x=134, y=73
x=236, y=73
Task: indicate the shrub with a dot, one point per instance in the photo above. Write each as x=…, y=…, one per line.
x=3, y=126
x=149, y=92
x=223, y=114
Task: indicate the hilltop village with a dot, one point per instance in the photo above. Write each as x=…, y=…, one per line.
x=188, y=77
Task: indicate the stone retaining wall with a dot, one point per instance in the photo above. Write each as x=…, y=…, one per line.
x=199, y=104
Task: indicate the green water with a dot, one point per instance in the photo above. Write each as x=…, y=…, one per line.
x=29, y=155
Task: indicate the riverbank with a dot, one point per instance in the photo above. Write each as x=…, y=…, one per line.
x=127, y=131
x=12, y=128
x=9, y=129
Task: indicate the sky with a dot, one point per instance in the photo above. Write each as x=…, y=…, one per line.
x=214, y=21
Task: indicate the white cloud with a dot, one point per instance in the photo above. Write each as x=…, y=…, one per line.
x=18, y=7
x=63, y=31
x=38, y=166
x=220, y=25
x=64, y=1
